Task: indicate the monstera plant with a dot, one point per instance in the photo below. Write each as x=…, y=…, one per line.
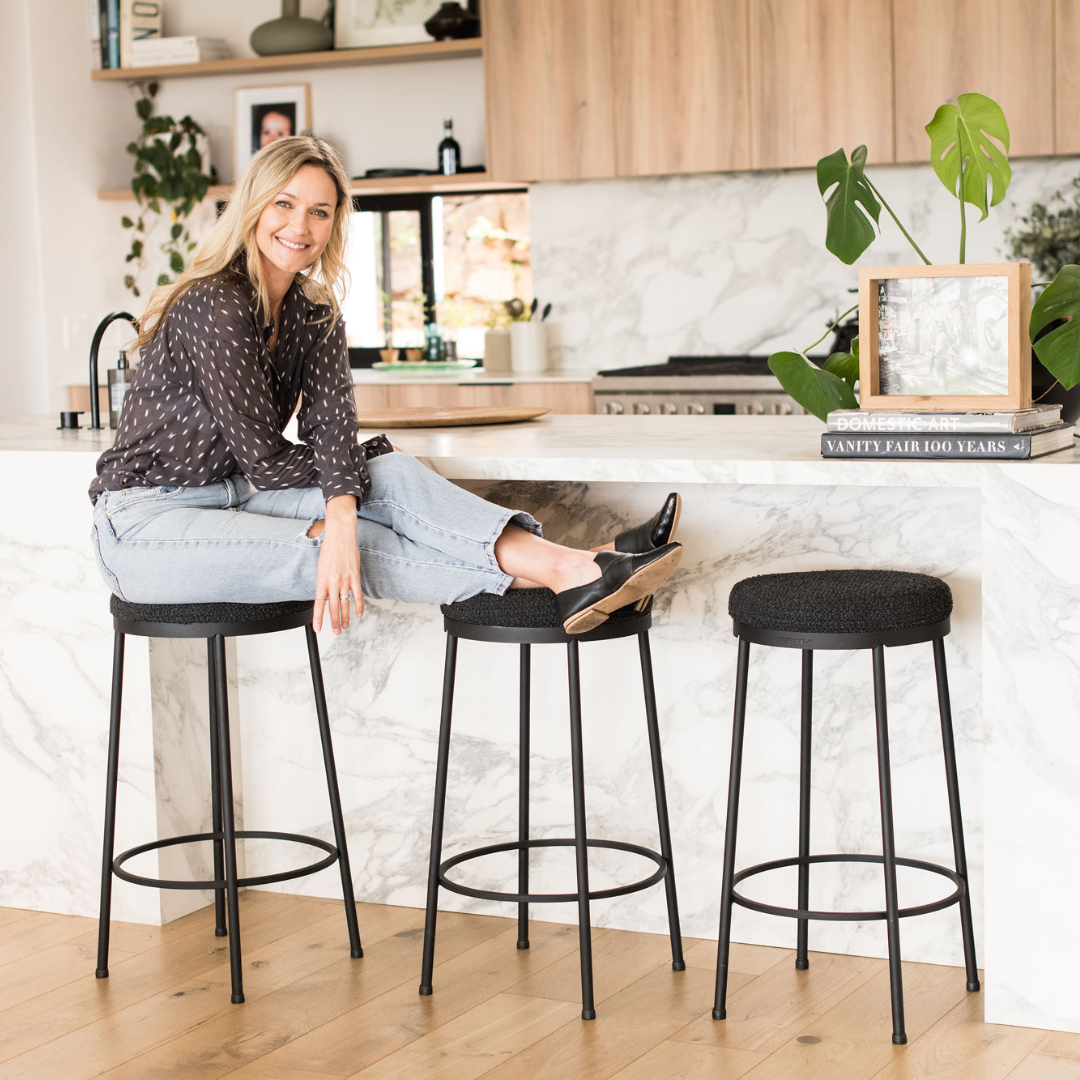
x=969, y=151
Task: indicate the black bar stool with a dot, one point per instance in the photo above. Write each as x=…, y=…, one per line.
x=528, y=617
x=216, y=622
x=843, y=609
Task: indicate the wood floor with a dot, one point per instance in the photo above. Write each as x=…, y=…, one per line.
x=313, y=1013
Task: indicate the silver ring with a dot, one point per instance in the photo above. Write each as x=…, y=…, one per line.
x=346, y=596
x=321, y=599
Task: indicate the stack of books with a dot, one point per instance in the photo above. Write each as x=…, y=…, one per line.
x=156, y=52
x=1024, y=433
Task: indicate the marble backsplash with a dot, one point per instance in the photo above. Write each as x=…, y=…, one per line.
x=641, y=269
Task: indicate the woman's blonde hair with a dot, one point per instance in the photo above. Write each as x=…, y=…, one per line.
x=234, y=233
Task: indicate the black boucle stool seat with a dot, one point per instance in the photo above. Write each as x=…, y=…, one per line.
x=878, y=604
x=843, y=609
x=527, y=617
x=215, y=622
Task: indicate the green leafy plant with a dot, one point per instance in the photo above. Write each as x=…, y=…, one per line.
x=1050, y=234
x=169, y=182
x=969, y=152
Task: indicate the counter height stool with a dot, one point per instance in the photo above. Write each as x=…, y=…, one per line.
x=843, y=609
x=528, y=617
x=216, y=622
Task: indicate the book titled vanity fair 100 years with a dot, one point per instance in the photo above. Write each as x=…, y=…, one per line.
x=956, y=446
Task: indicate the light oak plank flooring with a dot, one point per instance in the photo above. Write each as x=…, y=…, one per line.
x=313, y=1013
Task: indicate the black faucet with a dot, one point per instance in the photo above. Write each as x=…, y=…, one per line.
x=95, y=408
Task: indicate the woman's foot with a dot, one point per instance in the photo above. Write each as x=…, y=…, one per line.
x=624, y=579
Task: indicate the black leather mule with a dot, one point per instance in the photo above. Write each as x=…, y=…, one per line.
x=624, y=579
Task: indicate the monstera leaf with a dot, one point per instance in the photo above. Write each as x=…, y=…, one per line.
x=964, y=137
x=815, y=390
x=1059, y=350
x=845, y=365
x=851, y=204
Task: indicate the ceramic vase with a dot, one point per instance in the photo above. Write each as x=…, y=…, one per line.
x=528, y=348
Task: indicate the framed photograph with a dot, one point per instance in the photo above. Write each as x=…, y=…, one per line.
x=360, y=24
x=263, y=114
x=948, y=338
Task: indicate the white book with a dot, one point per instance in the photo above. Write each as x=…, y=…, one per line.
x=1014, y=421
x=140, y=20
x=178, y=50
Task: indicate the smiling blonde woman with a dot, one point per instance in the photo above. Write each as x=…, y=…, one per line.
x=203, y=499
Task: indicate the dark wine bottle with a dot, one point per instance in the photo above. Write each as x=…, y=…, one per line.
x=449, y=151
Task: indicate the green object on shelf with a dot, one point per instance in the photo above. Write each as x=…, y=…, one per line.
x=291, y=33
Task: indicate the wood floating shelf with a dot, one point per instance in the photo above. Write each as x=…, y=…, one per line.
x=387, y=185
x=385, y=54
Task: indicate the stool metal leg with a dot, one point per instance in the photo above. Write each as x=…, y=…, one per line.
x=660, y=789
x=888, y=844
x=112, y=774
x=221, y=688
x=355, y=949
x=581, y=835
x=959, y=851
x=802, y=962
x=215, y=795
x=734, y=781
x=438, y=813
x=524, y=707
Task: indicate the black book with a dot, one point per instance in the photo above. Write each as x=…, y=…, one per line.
x=957, y=447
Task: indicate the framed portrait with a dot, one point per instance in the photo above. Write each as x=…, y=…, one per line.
x=949, y=338
x=263, y=114
x=360, y=24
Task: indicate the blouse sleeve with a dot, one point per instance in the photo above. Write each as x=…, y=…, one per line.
x=327, y=416
x=224, y=349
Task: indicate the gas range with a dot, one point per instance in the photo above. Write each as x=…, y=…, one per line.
x=694, y=386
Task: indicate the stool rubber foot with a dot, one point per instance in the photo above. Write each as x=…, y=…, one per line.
x=101, y=973
x=973, y=986
x=802, y=965
x=425, y=991
x=220, y=931
x=238, y=999
x=356, y=954
x=719, y=1014
x=678, y=965
x=899, y=1040
x=588, y=1014
x=522, y=944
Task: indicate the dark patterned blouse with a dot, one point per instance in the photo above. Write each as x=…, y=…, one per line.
x=210, y=400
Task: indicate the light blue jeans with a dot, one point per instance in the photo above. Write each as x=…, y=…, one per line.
x=422, y=539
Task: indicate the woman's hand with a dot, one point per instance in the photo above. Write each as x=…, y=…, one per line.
x=338, y=571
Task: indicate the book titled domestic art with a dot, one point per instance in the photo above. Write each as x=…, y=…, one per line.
x=956, y=447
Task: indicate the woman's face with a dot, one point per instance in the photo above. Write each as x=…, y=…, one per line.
x=295, y=226
x=275, y=126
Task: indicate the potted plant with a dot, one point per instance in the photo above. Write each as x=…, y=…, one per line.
x=969, y=146
x=172, y=176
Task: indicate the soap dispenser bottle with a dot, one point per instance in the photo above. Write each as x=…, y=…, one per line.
x=119, y=384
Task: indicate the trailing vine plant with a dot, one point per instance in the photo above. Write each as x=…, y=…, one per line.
x=169, y=182
x=969, y=152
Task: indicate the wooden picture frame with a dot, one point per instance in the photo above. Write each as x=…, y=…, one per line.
x=283, y=110
x=365, y=24
x=945, y=338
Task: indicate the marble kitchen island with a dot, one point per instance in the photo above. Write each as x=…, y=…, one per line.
x=758, y=498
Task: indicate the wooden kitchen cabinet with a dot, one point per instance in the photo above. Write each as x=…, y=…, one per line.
x=559, y=397
x=1001, y=48
x=820, y=79
x=1066, y=77
x=680, y=77
x=548, y=88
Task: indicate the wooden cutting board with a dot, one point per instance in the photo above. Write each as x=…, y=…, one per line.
x=454, y=417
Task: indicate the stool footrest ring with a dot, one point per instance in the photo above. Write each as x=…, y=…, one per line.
x=240, y=834
x=848, y=916
x=552, y=898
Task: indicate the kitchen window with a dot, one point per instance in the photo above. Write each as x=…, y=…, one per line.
x=452, y=259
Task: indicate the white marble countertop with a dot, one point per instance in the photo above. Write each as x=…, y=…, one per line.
x=659, y=449
x=475, y=377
